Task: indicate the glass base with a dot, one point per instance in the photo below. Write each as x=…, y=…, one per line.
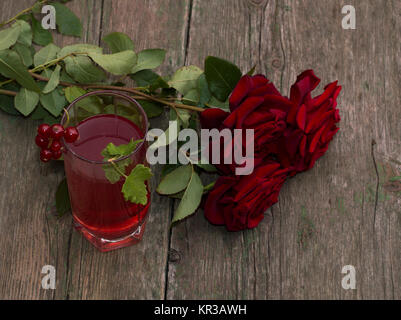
x=105, y=245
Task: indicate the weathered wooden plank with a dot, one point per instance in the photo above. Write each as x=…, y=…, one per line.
x=344, y=211
x=136, y=272
x=341, y=195
x=32, y=236
x=206, y=261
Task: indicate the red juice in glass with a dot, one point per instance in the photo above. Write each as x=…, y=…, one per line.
x=99, y=209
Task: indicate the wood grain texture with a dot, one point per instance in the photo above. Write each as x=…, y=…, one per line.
x=345, y=211
x=32, y=236
x=342, y=212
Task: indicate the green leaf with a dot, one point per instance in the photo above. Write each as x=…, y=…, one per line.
x=79, y=48
x=37, y=7
x=54, y=102
x=65, y=77
x=67, y=22
x=191, y=198
x=47, y=74
x=149, y=59
x=209, y=187
x=134, y=188
x=40, y=113
x=396, y=178
x=124, y=111
x=114, y=152
x=118, y=41
x=25, y=36
x=12, y=67
x=112, y=174
x=207, y=167
x=178, y=195
x=150, y=79
x=72, y=93
x=204, y=92
x=25, y=54
x=184, y=116
x=191, y=97
x=63, y=198
x=7, y=105
x=82, y=70
x=53, y=81
x=46, y=54
x=222, y=76
x=9, y=36
x=26, y=101
x=51, y=120
x=91, y=104
x=170, y=135
x=152, y=109
x=252, y=71
x=41, y=36
x=214, y=103
x=185, y=79
x=167, y=168
x=117, y=64
x=175, y=181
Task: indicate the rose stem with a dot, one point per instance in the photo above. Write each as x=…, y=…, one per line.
x=8, y=92
x=209, y=187
x=139, y=93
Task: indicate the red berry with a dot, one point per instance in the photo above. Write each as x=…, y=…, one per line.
x=45, y=155
x=71, y=134
x=56, y=146
x=41, y=141
x=57, y=131
x=56, y=154
x=44, y=130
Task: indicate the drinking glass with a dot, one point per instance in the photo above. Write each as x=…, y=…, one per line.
x=99, y=209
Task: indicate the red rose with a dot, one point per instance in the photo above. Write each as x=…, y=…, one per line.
x=239, y=202
x=289, y=136
x=254, y=104
x=311, y=123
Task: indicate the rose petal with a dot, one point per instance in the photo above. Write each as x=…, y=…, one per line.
x=243, y=87
x=316, y=139
x=237, y=117
x=328, y=92
x=316, y=118
x=259, y=80
x=302, y=146
x=306, y=82
x=258, y=117
x=292, y=140
x=213, y=211
x=268, y=88
x=213, y=118
x=301, y=117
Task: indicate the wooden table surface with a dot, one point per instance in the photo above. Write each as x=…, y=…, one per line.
x=345, y=211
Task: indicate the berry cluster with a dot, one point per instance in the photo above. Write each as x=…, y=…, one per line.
x=48, y=139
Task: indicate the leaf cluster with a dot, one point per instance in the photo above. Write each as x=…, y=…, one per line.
x=38, y=79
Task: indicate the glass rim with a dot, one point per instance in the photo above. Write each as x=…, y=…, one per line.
x=105, y=93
